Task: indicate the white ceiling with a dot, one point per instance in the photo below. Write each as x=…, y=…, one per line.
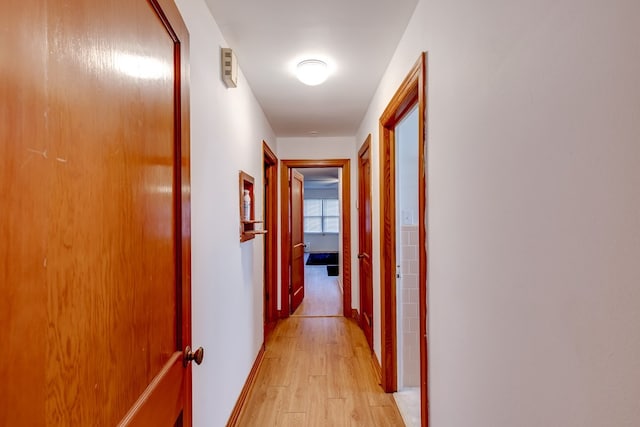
x=269, y=37
x=319, y=174
x=320, y=178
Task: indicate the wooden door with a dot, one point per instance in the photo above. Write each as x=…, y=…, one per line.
x=365, y=241
x=297, y=239
x=270, y=240
x=95, y=219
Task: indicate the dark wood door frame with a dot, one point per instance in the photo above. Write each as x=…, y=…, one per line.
x=285, y=166
x=412, y=91
x=270, y=296
x=365, y=244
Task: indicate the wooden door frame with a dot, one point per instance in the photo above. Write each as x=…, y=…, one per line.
x=366, y=145
x=285, y=166
x=412, y=91
x=270, y=297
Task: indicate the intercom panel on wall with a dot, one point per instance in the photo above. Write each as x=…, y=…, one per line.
x=229, y=67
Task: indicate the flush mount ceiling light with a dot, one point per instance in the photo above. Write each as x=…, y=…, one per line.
x=312, y=72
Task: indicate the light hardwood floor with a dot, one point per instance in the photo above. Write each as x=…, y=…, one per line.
x=318, y=371
x=322, y=296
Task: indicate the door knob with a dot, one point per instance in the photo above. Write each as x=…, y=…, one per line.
x=360, y=256
x=190, y=355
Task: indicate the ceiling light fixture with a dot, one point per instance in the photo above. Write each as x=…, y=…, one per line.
x=312, y=72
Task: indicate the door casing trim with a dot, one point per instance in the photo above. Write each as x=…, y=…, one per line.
x=285, y=212
x=412, y=91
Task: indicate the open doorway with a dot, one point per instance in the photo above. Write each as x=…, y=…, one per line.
x=407, y=200
x=321, y=243
x=322, y=250
x=410, y=96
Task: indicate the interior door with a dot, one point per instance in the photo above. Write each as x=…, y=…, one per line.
x=365, y=241
x=297, y=239
x=95, y=226
x=270, y=240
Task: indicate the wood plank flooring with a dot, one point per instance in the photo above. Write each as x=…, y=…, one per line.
x=322, y=293
x=318, y=371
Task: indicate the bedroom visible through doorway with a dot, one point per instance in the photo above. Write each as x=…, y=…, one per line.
x=326, y=214
x=321, y=228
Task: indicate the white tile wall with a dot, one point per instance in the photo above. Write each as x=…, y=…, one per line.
x=409, y=295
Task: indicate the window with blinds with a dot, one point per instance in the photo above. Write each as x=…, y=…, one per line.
x=321, y=216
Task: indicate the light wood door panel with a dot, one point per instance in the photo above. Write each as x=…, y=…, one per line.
x=297, y=239
x=94, y=189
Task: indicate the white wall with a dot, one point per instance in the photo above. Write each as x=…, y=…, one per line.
x=320, y=148
x=407, y=171
x=318, y=242
x=534, y=209
x=227, y=130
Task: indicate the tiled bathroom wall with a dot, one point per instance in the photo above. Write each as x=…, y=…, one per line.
x=410, y=351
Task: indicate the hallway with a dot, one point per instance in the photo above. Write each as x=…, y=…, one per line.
x=322, y=293
x=318, y=370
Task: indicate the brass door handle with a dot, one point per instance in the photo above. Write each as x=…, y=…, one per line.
x=190, y=355
x=362, y=255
